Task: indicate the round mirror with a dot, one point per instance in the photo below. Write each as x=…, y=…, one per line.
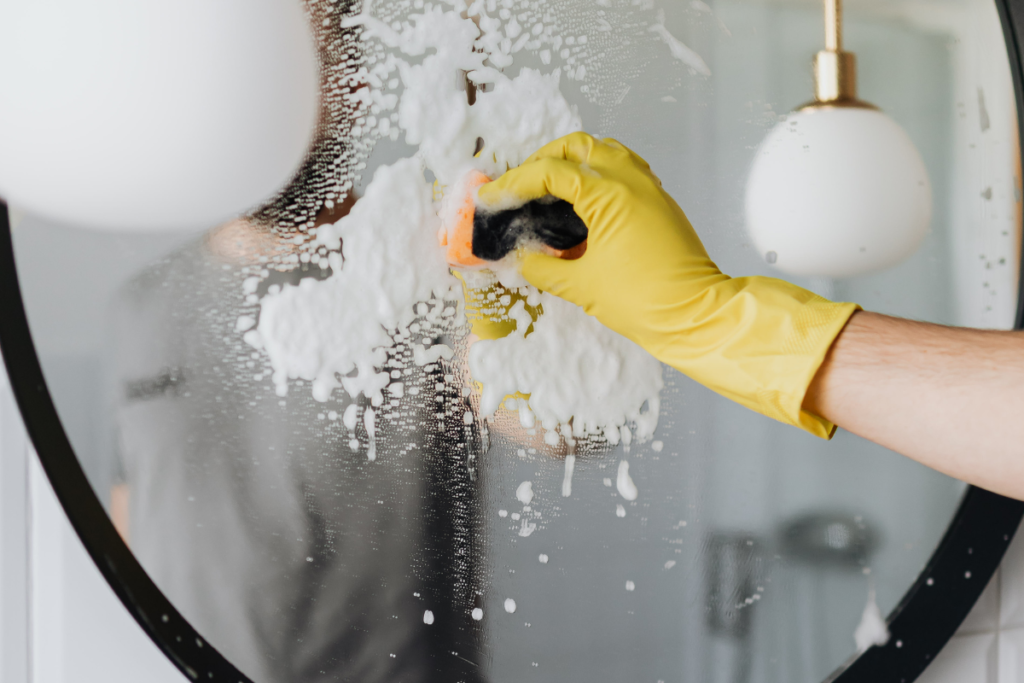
x=272, y=436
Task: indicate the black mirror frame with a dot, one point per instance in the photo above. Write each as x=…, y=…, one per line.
x=923, y=622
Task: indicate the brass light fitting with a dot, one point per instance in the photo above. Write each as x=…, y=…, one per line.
x=835, y=71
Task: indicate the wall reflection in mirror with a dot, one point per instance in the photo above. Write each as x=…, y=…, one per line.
x=366, y=532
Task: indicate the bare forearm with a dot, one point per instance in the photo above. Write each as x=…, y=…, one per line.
x=950, y=398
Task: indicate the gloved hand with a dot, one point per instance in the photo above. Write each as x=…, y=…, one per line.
x=645, y=274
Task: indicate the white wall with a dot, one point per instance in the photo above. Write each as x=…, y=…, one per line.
x=989, y=647
x=14, y=615
x=59, y=620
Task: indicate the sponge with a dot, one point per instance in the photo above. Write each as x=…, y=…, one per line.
x=476, y=236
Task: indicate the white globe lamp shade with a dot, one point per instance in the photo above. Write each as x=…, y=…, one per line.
x=836, y=192
x=152, y=115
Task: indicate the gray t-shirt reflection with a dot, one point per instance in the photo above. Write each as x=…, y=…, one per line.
x=296, y=557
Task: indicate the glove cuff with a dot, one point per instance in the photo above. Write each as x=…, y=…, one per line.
x=816, y=325
x=756, y=340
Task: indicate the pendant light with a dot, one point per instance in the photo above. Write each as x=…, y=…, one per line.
x=153, y=115
x=837, y=188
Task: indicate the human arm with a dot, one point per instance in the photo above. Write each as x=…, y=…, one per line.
x=645, y=274
x=950, y=398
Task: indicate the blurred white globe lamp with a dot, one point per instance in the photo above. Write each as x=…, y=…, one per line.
x=837, y=189
x=152, y=115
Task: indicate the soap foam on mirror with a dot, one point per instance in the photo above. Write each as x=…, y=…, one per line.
x=387, y=269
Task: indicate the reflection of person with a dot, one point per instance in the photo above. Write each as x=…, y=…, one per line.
x=949, y=398
x=291, y=553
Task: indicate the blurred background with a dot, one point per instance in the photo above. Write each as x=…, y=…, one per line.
x=752, y=549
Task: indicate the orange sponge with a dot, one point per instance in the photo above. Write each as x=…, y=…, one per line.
x=475, y=238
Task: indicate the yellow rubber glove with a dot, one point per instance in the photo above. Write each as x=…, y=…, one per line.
x=486, y=308
x=756, y=340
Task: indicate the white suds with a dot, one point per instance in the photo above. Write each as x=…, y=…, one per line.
x=371, y=433
x=872, y=629
x=527, y=528
x=387, y=265
x=670, y=564
x=524, y=494
x=624, y=483
x=570, y=465
x=428, y=617
x=510, y=605
x=542, y=558
x=656, y=446
x=600, y=381
x=322, y=329
x=630, y=586
x=477, y=614
x=620, y=510
x=425, y=356
x=678, y=49
x=351, y=416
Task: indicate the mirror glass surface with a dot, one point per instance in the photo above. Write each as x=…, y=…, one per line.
x=314, y=532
